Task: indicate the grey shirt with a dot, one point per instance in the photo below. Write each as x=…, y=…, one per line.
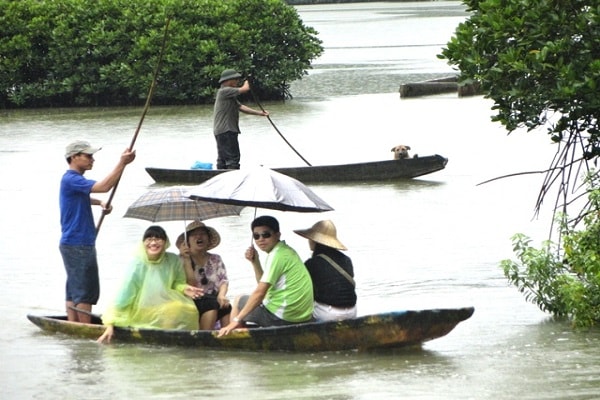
x=227, y=111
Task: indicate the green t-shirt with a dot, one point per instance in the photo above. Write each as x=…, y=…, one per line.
x=290, y=296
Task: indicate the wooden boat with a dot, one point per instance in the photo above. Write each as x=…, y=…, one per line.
x=370, y=332
x=437, y=86
x=360, y=172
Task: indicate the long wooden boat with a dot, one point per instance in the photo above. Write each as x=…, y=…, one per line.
x=442, y=85
x=370, y=332
x=360, y=172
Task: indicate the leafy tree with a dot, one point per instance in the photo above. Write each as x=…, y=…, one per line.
x=104, y=52
x=539, y=62
x=565, y=283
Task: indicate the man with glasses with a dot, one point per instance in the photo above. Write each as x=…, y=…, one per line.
x=284, y=294
x=78, y=238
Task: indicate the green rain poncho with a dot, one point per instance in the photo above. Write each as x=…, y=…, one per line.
x=151, y=296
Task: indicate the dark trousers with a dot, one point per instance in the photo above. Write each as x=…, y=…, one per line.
x=228, y=150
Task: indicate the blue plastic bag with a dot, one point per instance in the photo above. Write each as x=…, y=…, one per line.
x=201, y=165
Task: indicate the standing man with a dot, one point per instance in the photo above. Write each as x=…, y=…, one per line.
x=284, y=294
x=226, y=118
x=78, y=239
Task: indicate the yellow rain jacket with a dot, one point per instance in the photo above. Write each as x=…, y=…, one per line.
x=151, y=296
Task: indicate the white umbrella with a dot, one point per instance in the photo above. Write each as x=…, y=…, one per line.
x=259, y=187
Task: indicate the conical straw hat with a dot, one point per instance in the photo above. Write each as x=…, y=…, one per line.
x=322, y=232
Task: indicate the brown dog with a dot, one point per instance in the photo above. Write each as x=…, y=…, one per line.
x=400, y=152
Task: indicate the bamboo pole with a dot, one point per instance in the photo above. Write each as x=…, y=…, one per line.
x=137, y=131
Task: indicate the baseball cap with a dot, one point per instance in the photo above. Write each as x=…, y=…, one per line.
x=80, y=146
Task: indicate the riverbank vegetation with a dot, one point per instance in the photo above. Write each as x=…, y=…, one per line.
x=538, y=62
x=103, y=53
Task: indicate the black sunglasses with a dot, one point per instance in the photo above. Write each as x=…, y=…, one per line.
x=264, y=235
x=203, y=280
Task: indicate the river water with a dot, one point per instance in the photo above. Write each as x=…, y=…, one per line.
x=426, y=243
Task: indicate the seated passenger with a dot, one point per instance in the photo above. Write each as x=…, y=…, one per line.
x=206, y=271
x=284, y=294
x=331, y=272
x=153, y=292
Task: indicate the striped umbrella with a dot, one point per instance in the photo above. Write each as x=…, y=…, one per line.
x=173, y=204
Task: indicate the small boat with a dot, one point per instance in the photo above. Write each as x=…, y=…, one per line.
x=437, y=86
x=370, y=332
x=360, y=172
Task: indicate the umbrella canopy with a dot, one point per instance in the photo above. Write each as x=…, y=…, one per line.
x=174, y=204
x=259, y=187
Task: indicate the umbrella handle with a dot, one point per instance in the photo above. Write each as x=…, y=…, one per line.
x=251, y=238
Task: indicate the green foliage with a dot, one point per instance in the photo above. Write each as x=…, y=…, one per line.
x=567, y=285
x=538, y=61
x=537, y=275
x=104, y=52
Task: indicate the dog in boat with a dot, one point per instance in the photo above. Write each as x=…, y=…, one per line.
x=401, y=152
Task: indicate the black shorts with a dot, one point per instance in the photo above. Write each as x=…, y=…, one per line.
x=209, y=302
x=260, y=315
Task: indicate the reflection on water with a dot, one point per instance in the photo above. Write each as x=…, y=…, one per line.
x=123, y=370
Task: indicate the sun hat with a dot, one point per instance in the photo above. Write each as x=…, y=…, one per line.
x=80, y=147
x=229, y=74
x=322, y=232
x=213, y=235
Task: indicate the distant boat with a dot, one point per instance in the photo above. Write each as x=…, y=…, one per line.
x=369, y=332
x=441, y=85
x=360, y=172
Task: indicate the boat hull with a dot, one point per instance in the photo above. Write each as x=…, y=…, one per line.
x=370, y=332
x=360, y=172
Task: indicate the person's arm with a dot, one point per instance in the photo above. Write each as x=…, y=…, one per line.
x=193, y=292
x=187, y=266
x=254, y=301
x=245, y=88
x=252, y=111
x=111, y=179
x=180, y=280
x=107, y=335
x=252, y=256
x=248, y=110
x=221, y=282
x=102, y=203
x=222, y=295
